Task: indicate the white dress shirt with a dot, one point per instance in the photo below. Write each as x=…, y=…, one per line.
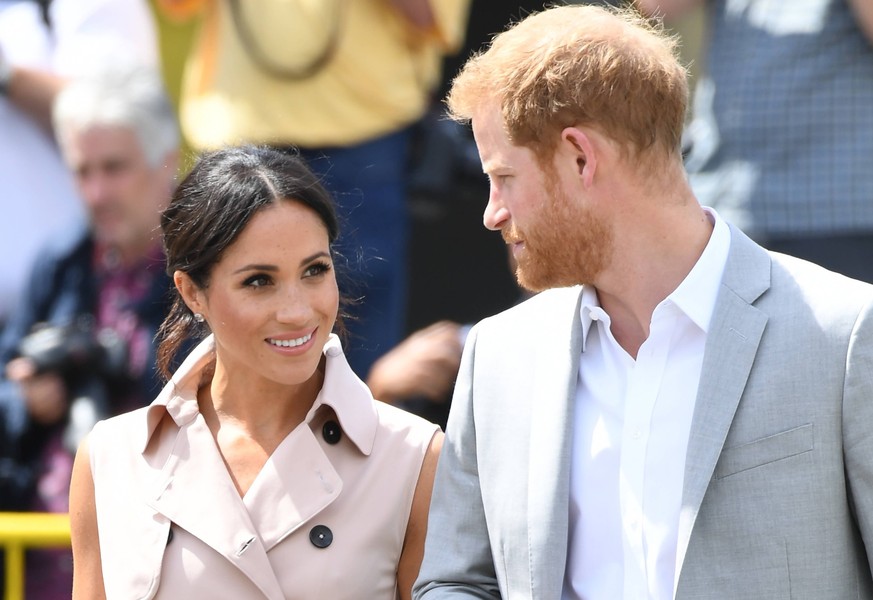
x=631, y=428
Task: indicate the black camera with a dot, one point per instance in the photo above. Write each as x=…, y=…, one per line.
x=75, y=349
x=92, y=363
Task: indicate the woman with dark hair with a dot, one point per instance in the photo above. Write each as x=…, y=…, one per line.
x=264, y=469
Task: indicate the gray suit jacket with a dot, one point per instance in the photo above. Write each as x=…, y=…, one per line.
x=778, y=491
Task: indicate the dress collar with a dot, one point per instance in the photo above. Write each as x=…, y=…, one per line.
x=342, y=390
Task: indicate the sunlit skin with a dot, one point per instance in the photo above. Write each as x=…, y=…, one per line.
x=274, y=284
x=517, y=182
x=555, y=239
x=122, y=192
x=663, y=228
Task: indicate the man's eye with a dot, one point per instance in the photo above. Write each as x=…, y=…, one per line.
x=115, y=167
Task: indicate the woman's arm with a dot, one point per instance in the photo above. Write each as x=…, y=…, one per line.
x=87, y=569
x=416, y=529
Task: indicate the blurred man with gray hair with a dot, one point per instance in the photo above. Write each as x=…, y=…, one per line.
x=80, y=346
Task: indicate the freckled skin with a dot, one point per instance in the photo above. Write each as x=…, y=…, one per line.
x=275, y=281
x=556, y=240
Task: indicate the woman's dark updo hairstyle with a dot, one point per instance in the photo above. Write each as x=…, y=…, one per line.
x=212, y=206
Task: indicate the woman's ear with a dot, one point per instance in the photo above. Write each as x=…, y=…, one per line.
x=191, y=294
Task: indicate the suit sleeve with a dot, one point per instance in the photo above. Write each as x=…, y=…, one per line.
x=858, y=425
x=458, y=560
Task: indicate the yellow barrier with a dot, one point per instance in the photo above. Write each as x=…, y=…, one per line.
x=28, y=530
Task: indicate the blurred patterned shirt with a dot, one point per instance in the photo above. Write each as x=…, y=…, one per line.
x=782, y=135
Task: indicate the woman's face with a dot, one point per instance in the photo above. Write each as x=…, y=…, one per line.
x=272, y=299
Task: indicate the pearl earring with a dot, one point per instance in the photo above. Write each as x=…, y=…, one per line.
x=198, y=317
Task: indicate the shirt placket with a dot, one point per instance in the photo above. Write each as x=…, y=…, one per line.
x=644, y=382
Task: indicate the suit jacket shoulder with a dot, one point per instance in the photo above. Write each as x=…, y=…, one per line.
x=534, y=313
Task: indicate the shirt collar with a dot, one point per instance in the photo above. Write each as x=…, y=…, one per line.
x=697, y=293
x=590, y=311
x=342, y=391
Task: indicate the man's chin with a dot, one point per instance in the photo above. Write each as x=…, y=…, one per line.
x=110, y=239
x=537, y=280
x=532, y=281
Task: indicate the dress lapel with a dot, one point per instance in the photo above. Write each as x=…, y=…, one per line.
x=734, y=335
x=555, y=372
x=199, y=496
x=296, y=483
x=195, y=490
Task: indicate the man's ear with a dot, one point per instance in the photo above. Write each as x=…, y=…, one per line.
x=191, y=294
x=580, y=148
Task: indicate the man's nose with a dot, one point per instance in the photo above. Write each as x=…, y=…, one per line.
x=93, y=190
x=496, y=214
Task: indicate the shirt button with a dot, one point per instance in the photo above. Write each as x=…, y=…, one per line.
x=321, y=536
x=331, y=432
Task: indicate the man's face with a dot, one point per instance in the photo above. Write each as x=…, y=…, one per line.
x=122, y=192
x=556, y=238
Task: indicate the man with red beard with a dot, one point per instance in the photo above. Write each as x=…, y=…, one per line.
x=680, y=413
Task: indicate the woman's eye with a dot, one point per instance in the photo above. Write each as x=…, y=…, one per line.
x=316, y=269
x=257, y=281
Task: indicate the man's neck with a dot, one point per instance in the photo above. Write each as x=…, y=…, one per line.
x=648, y=266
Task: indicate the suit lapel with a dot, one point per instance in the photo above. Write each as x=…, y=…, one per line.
x=555, y=373
x=199, y=496
x=734, y=335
